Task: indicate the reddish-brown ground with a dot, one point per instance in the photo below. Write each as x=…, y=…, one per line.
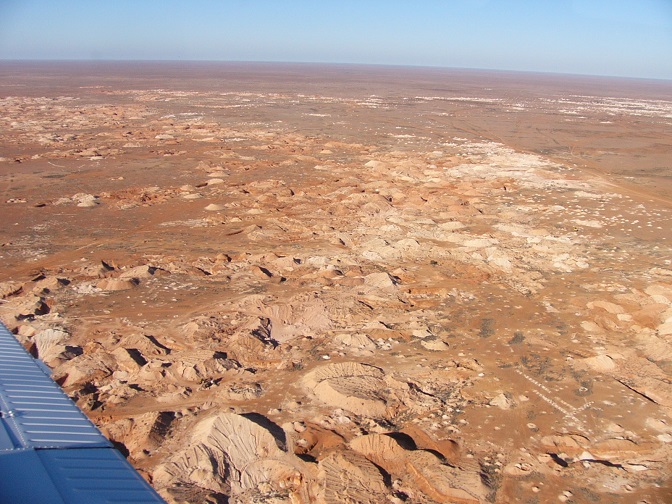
x=303, y=283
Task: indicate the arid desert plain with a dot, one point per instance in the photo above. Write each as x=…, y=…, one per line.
x=294, y=283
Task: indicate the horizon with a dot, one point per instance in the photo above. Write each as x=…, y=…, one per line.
x=334, y=64
x=616, y=38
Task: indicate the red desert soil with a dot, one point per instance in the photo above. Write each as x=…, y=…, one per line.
x=297, y=283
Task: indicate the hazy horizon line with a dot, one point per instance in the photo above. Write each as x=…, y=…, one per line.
x=328, y=63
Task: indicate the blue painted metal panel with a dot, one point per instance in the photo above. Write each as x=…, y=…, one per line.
x=96, y=475
x=34, y=409
x=6, y=442
x=50, y=452
x=25, y=479
x=73, y=476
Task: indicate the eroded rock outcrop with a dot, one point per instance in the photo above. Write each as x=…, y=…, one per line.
x=233, y=454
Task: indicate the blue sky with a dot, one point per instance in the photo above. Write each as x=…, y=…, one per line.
x=601, y=37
